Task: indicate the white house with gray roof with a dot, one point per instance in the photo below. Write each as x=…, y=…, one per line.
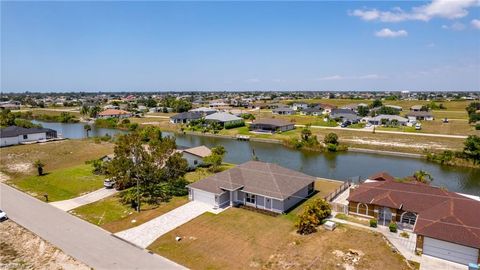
x=224, y=118
x=257, y=184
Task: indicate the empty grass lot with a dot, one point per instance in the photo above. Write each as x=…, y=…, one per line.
x=113, y=216
x=17, y=161
x=61, y=184
x=242, y=239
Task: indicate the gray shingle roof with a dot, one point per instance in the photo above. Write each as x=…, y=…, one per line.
x=222, y=117
x=13, y=131
x=257, y=177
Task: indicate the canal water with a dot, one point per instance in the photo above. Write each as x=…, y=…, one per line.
x=341, y=166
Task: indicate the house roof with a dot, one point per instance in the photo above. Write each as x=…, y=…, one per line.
x=266, y=179
x=442, y=214
x=389, y=118
x=113, y=112
x=419, y=113
x=416, y=107
x=14, y=131
x=283, y=109
x=342, y=111
x=200, y=151
x=272, y=122
x=203, y=109
x=188, y=115
x=222, y=117
x=382, y=176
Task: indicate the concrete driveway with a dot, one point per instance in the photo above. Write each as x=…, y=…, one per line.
x=432, y=263
x=91, y=197
x=143, y=235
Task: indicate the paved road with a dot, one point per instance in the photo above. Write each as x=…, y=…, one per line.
x=145, y=234
x=80, y=239
x=91, y=197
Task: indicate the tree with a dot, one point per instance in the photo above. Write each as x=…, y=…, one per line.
x=472, y=148
x=150, y=103
x=472, y=109
x=66, y=117
x=149, y=171
x=215, y=159
x=94, y=111
x=87, y=128
x=84, y=110
x=39, y=165
x=312, y=215
x=7, y=118
x=331, y=138
x=422, y=177
x=376, y=103
x=306, y=133
x=363, y=111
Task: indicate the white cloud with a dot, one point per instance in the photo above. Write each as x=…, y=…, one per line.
x=475, y=23
x=456, y=26
x=361, y=77
x=386, y=32
x=449, y=9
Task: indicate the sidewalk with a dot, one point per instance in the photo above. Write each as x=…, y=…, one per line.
x=91, y=197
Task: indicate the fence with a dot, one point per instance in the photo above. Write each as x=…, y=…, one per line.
x=339, y=208
x=337, y=191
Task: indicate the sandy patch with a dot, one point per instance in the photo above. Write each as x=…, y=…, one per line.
x=21, y=249
x=150, y=123
x=20, y=167
x=4, y=177
x=395, y=143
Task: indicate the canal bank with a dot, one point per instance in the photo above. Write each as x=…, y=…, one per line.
x=341, y=165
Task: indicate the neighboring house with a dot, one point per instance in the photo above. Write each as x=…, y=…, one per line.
x=398, y=108
x=204, y=110
x=185, y=117
x=419, y=115
x=14, y=135
x=416, y=108
x=327, y=108
x=354, y=107
x=344, y=115
x=224, y=118
x=10, y=106
x=447, y=224
x=195, y=155
x=385, y=119
x=316, y=111
x=299, y=106
x=218, y=104
x=256, y=184
x=113, y=113
x=271, y=125
x=283, y=111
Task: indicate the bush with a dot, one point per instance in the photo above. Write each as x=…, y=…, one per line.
x=312, y=215
x=234, y=125
x=373, y=223
x=477, y=127
x=332, y=147
x=404, y=235
x=331, y=138
x=393, y=227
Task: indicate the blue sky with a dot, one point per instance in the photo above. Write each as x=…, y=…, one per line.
x=157, y=46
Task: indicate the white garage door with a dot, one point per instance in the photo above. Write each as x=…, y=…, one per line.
x=450, y=251
x=203, y=196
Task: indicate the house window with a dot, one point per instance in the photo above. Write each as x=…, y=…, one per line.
x=409, y=218
x=250, y=198
x=195, y=162
x=25, y=136
x=362, y=209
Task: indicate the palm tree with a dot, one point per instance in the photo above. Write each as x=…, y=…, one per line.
x=39, y=164
x=94, y=111
x=87, y=128
x=84, y=110
x=423, y=177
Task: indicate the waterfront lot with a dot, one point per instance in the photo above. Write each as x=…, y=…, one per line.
x=17, y=161
x=61, y=184
x=239, y=239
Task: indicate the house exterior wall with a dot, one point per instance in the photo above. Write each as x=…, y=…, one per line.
x=352, y=209
x=9, y=141
x=191, y=159
x=224, y=199
x=295, y=198
x=19, y=139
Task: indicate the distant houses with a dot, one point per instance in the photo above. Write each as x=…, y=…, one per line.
x=419, y=115
x=284, y=111
x=195, y=155
x=186, y=117
x=225, y=119
x=14, y=135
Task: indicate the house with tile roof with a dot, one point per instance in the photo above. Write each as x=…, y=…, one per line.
x=113, y=113
x=256, y=184
x=447, y=224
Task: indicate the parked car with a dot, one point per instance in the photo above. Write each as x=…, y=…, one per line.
x=418, y=126
x=345, y=124
x=445, y=120
x=3, y=216
x=109, y=183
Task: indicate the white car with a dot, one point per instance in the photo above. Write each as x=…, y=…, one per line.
x=3, y=216
x=418, y=126
x=109, y=183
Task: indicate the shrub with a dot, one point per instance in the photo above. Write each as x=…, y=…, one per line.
x=404, y=234
x=234, y=125
x=393, y=227
x=332, y=147
x=477, y=127
x=373, y=223
x=331, y=138
x=312, y=215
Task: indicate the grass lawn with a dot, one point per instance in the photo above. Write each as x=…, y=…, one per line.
x=61, y=184
x=17, y=161
x=201, y=173
x=112, y=215
x=242, y=239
